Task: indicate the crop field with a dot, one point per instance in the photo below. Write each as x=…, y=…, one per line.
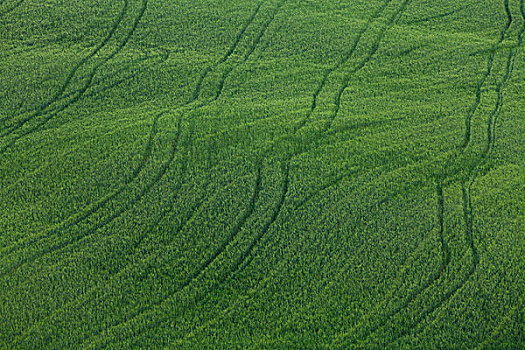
x=262, y=174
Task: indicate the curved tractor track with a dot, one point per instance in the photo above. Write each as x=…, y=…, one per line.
x=247, y=256
x=20, y=133
x=468, y=216
x=239, y=245
x=197, y=104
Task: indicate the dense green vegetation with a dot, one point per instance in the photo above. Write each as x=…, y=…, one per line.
x=262, y=174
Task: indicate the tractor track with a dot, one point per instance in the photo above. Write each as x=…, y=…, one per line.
x=277, y=209
x=283, y=195
x=246, y=257
x=251, y=49
x=134, y=270
x=86, y=86
x=257, y=188
x=164, y=168
x=251, y=207
x=285, y=170
x=484, y=77
x=286, y=167
x=135, y=244
x=116, y=83
x=438, y=16
x=70, y=151
x=375, y=46
x=237, y=228
x=46, y=165
x=468, y=216
x=72, y=73
x=343, y=61
x=445, y=260
x=163, y=57
x=103, y=88
x=201, y=269
x=224, y=58
x=75, y=219
x=93, y=208
x=261, y=33
x=80, y=217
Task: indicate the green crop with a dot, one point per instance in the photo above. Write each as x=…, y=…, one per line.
x=267, y=174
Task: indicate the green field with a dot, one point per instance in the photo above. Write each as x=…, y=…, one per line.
x=263, y=174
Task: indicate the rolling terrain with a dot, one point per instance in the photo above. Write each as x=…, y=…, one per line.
x=265, y=174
